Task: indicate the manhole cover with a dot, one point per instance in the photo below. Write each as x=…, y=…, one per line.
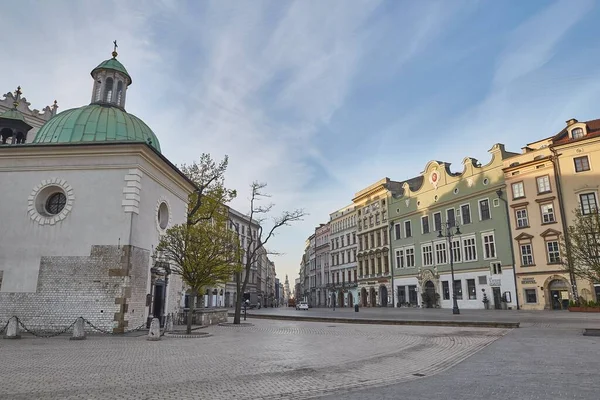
x=591, y=332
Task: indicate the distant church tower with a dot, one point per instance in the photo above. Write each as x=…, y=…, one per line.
x=286, y=288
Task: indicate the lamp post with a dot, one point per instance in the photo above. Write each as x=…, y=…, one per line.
x=159, y=262
x=446, y=232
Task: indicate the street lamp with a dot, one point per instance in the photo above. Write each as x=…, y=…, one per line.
x=158, y=261
x=446, y=232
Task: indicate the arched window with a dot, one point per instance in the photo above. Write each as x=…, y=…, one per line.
x=119, y=92
x=577, y=133
x=108, y=90
x=98, y=90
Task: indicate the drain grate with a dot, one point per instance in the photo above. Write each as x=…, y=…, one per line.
x=419, y=374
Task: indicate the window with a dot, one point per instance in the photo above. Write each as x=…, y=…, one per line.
x=445, y=290
x=456, y=254
x=526, y=255
x=397, y=229
x=581, y=164
x=377, y=218
x=553, y=252
x=522, y=221
x=469, y=249
x=489, y=247
x=471, y=289
x=108, y=90
x=496, y=268
x=458, y=289
x=547, y=213
x=427, y=255
x=425, y=224
x=354, y=238
x=342, y=239
x=98, y=90
x=484, y=209
x=343, y=262
x=119, y=92
x=348, y=240
x=354, y=255
x=577, y=133
x=371, y=220
x=354, y=275
x=543, y=184
x=437, y=221
x=450, y=217
x=378, y=239
x=530, y=296
x=383, y=218
x=588, y=202
x=57, y=201
x=407, y=229
x=441, y=256
x=465, y=211
x=482, y=280
x=518, y=190
x=399, y=258
x=410, y=257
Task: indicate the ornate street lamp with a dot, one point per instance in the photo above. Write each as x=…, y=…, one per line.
x=158, y=262
x=446, y=232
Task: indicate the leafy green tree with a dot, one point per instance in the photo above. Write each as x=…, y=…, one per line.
x=581, y=246
x=203, y=251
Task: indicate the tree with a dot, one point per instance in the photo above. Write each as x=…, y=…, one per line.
x=203, y=251
x=581, y=246
x=256, y=245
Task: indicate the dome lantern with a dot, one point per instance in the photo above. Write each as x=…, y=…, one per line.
x=111, y=80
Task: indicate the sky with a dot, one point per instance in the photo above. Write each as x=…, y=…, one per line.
x=318, y=98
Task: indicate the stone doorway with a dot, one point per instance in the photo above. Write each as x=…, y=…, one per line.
x=341, y=299
x=350, y=300
x=558, y=290
x=383, y=296
x=363, y=296
x=158, y=301
x=373, y=297
x=429, y=298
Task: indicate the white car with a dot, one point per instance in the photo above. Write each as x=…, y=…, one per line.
x=302, y=306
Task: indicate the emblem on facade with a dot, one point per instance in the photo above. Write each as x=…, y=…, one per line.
x=434, y=178
x=469, y=182
x=407, y=202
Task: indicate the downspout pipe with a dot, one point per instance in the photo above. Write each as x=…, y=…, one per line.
x=563, y=217
x=392, y=263
x=512, y=247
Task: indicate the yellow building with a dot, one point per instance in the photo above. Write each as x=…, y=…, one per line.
x=546, y=183
x=576, y=150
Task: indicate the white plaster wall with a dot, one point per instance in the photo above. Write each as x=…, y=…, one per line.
x=96, y=218
x=507, y=284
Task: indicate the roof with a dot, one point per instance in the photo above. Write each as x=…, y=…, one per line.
x=593, y=131
x=15, y=115
x=115, y=65
x=96, y=123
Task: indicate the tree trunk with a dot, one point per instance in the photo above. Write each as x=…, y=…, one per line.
x=193, y=296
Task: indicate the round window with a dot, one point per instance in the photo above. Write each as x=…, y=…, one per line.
x=55, y=203
x=163, y=215
x=486, y=181
x=455, y=190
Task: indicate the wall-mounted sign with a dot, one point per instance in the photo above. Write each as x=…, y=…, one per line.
x=495, y=282
x=528, y=281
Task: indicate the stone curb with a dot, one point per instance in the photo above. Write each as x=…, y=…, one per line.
x=471, y=324
x=185, y=336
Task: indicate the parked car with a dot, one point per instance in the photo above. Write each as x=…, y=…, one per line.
x=302, y=306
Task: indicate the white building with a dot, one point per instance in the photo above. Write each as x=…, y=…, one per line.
x=344, y=246
x=86, y=201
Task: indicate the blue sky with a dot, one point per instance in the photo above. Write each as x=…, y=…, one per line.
x=319, y=98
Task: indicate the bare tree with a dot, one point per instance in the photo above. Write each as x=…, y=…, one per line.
x=581, y=245
x=255, y=245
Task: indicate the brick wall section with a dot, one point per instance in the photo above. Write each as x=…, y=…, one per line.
x=108, y=288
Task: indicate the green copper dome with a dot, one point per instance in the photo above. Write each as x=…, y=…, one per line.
x=96, y=123
x=113, y=64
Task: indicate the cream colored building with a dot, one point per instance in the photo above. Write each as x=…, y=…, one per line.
x=536, y=223
x=576, y=150
x=374, y=269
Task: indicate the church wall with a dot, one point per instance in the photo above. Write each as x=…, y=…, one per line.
x=89, y=286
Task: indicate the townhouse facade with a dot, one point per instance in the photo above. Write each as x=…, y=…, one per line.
x=343, y=282
x=322, y=263
x=441, y=218
x=374, y=270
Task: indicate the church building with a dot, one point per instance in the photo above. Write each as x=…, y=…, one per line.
x=86, y=196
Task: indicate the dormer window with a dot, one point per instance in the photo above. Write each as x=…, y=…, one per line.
x=577, y=133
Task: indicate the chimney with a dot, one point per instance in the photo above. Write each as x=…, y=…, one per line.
x=571, y=121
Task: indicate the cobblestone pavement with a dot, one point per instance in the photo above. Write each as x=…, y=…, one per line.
x=272, y=359
x=527, y=364
x=544, y=319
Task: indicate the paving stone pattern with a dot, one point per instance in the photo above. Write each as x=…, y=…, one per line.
x=272, y=359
